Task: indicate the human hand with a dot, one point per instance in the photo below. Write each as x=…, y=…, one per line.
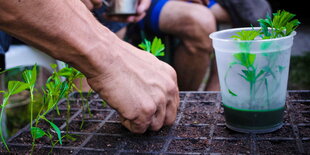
x=140, y=87
x=92, y=4
x=142, y=7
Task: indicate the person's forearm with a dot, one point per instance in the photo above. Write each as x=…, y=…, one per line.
x=76, y=41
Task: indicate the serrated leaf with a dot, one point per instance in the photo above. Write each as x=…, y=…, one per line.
x=37, y=132
x=157, y=47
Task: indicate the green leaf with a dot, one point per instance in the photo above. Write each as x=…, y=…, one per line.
x=157, y=47
x=281, y=25
x=245, y=35
x=37, y=132
x=53, y=66
x=232, y=93
x=245, y=59
x=15, y=87
x=145, y=45
x=57, y=130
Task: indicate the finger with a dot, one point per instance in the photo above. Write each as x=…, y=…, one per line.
x=139, y=17
x=159, y=117
x=171, y=109
x=97, y=3
x=134, y=127
x=143, y=6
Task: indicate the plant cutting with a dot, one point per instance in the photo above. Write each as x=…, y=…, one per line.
x=253, y=66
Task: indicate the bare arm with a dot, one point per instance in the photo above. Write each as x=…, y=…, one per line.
x=55, y=27
x=139, y=86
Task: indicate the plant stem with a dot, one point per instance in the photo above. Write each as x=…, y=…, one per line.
x=5, y=102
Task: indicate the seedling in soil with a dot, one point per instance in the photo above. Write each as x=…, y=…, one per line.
x=14, y=87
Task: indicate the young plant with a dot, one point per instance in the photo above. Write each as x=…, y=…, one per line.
x=14, y=87
x=70, y=74
x=54, y=90
x=156, y=47
x=30, y=77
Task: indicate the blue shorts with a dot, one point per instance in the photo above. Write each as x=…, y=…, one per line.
x=151, y=20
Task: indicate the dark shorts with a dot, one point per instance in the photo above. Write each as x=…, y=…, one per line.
x=151, y=21
x=5, y=41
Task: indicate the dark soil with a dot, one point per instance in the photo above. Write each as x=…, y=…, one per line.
x=304, y=131
x=286, y=131
x=192, y=131
x=299, y=95
x=115, y=117
x=26, y=150
x=88, y=127
x=143, y=145
x=230, y=146
x=113, y=128
x=74, y=104
x=62, y=114
x=98, y=104
x=93, y=115
x=200, y=107
x=107, y=142
x=276, y=147
x=223, y=131
x=198, y=118
x=306, y=145
x=301, y=106
x=189, y=145
x=212, y=97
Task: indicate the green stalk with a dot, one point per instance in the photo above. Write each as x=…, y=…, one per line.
x=5, y=102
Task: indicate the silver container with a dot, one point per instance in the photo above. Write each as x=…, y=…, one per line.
x=121, y=7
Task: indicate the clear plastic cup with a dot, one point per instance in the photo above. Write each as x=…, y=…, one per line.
x=253, y=78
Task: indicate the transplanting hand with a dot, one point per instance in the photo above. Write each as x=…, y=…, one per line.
x=140, y=87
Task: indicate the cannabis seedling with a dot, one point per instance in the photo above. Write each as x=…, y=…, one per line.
x=156, y=47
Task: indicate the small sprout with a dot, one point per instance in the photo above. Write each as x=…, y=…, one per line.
x=156, y=47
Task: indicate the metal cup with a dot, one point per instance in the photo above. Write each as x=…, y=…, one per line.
x=121, y=7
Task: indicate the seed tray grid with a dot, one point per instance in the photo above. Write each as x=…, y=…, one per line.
x=199, y=129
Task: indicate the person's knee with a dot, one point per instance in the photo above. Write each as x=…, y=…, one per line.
x=201, y=20
x=201, y=23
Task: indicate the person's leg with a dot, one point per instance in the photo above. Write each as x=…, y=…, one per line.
x=192, y=23
x=220, y=14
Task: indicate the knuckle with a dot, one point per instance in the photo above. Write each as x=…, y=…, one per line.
x=149, y=109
